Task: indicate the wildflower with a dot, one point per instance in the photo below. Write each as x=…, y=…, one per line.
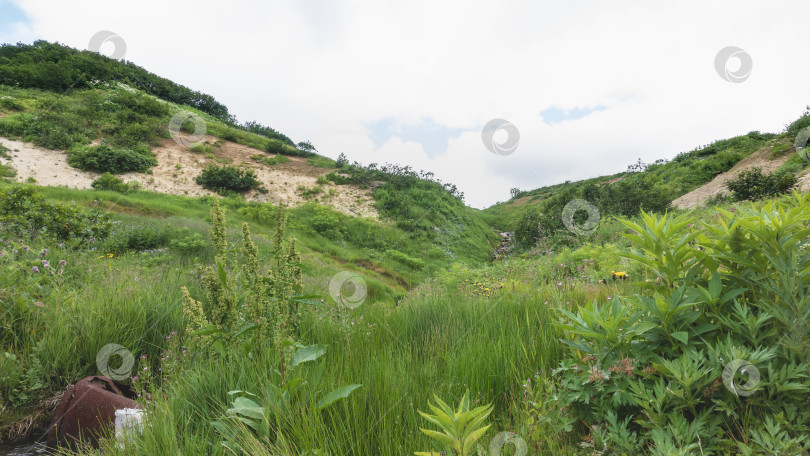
x=62, y=245
x=35, y=269
x=15, y=251
x=596, y=375
x=25, y=247
x=62, y=263
x=44, y=252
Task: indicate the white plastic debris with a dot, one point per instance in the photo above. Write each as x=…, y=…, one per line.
x=126, y=421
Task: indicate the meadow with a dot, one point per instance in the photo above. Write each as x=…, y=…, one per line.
x=249, y=328
x=508, y=333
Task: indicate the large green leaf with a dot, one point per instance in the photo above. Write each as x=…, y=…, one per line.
x=308, y=353
x=336, y=395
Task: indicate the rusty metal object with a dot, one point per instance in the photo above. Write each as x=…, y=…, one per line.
x=86, y=412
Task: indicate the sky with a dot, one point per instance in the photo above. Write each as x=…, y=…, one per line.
x=575, y=89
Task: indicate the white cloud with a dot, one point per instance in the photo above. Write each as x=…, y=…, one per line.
x=321, y=70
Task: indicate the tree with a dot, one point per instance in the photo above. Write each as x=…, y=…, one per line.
x=307, y=146
x=515, y=192
x=342, y=160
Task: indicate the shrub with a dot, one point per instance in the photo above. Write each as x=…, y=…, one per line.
x=719, y=338
x=753, y=184
x=326, y=222
x=10, y=104
x=109, y=182
x=227, y=178
x=137, y=236
x=7, y=171
x=187, y=242
x=24, y=210
x=106, y=159
x=202, y=148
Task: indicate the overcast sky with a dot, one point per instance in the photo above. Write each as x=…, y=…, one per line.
x=589, y=85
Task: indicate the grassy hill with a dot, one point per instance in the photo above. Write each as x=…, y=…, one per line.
x=263, y=329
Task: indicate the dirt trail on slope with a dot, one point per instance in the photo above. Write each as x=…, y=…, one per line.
x=759, y=159
x=178, y=166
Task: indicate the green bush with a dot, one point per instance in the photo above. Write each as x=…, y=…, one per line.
x=712, y=359
x=23, y=210
x=7, y=171
x=202, y=148
x=753, y=184
x=222, y=179
x=105, y=159
x=187, y=242
x=136, y=236
x=10, y=104
x=326, y=222
x=109, y=182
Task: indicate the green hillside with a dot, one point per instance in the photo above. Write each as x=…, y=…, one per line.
x=253, y=328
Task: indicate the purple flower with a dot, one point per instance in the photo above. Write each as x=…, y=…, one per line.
x=15, y=251
x=44, y=252
x=35, y=269
x=45, y=262
x=25, y=247
x=62, y=263
x=62, y=245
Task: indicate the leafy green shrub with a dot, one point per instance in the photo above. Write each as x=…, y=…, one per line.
x=10, y=104
x=414, y=263
x=24, y=210
x=7, y=171
x=105, y=159
x=227, y=178
x=753, y=184
x=136, y=236
x=187, y=242
x=202, y=148
x=713, y=359
x=108, y=181
x=326, y=222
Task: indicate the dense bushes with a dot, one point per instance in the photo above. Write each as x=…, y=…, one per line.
x=25, y=211
x=626, y=198
x=712, y=360
x=54, y=67
x=106, y=159
x=753, y=184
x=222, y=179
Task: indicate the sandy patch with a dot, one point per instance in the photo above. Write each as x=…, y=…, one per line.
x=759, y=159
x=178, y=166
